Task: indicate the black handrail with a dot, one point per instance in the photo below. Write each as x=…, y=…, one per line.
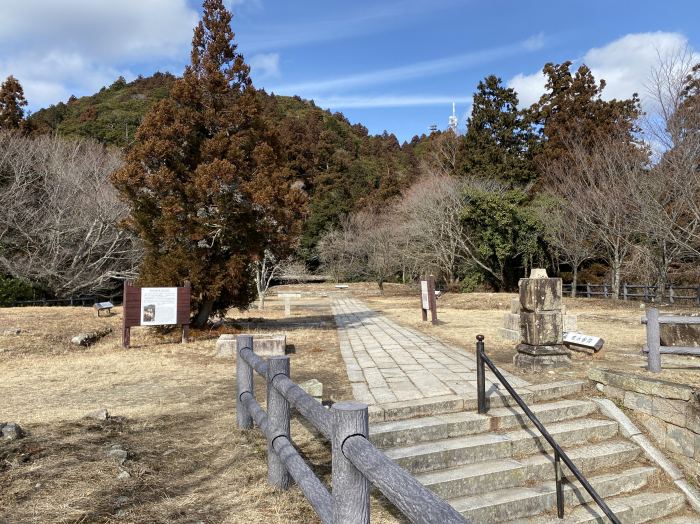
x=559, y=453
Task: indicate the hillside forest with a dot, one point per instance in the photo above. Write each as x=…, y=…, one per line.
x=203, y=177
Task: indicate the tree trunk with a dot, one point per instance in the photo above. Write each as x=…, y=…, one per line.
x=616, y=267
x=203, y=315
x=380, y=283
x=574, y=281
x=261, y=301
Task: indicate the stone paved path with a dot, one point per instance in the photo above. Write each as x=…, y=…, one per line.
x=390, y=363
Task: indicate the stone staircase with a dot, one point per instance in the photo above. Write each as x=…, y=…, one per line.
x=498, y=468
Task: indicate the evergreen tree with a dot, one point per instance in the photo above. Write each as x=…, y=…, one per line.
x=572, y=109
x=12, y=104
x=208, y=186
x=498, y=140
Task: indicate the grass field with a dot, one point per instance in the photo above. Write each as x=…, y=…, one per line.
x=173, y=406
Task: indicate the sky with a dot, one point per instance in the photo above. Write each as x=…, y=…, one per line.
x=395, y=65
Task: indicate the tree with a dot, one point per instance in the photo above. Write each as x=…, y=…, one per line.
x=499, y=141
x=572, y=110
x=59, y=215
x=12, y=104
x=205, y=178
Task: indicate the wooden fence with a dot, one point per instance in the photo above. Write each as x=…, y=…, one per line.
x=356, y=463
x=645, y=293
x=653, y=346
x=88, y=301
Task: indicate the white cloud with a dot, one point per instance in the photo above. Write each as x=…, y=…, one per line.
x=77, y=46
x=407, y=72
x=265, y=65
x=346, y=102
x=624, y=64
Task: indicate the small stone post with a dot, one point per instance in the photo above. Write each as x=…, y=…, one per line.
x=653, y=340
x=244, y=380
x=350, y=487
x=541, y=323
x=278, y=417
x=287, y=306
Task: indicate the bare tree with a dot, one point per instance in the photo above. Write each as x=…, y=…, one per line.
x=59, y=215
x=266, y=269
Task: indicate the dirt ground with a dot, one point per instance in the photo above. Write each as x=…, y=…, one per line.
x=172, y=409
x=173, y=405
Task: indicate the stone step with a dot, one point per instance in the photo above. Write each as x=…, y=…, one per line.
x=416, y=430
x=630, y=509
x=511, y=503
x=481, y=477
x=682, y=519
x=497, y=397
x=448, y=453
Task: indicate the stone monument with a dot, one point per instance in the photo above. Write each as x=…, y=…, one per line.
x=541, y=323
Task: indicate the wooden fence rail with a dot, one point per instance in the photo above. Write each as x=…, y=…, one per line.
x=637, y=291
x=356, y=463
x=88, y=301
x=653, y=346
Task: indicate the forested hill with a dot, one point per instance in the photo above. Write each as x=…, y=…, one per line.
x=340, y=165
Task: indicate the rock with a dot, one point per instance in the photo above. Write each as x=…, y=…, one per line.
x=314, y=388
x=123, y=475
x=87, y=339
x=118, y=454
x=11, y=331
x=538, y=272
x=100, y=414
x=121, y=501
x=11, y=431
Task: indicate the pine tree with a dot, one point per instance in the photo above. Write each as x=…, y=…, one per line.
x=12, y=103
x=207, y=184
x=498, y=139
x=572, y=109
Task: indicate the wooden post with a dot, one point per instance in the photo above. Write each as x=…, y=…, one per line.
x=605, y=290
x=588, y=290
x=278, y=417
x=698, y=297
x=432, y=299
x=646, y=293
x=624, y=291
x=653, y=340
x=126, y=330
x=350, y=487
x=244, y=381
x=186, y=327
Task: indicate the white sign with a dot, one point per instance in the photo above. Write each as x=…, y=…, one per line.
x=158, y=306
x=579, y=339
x=424, y=294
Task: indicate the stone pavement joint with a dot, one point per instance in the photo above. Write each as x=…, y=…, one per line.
x=388, y=363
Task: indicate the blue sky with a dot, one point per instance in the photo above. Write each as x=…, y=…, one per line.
x=394, y=65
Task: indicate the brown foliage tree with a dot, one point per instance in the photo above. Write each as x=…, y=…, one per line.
x=205, y=178
x=12, y=104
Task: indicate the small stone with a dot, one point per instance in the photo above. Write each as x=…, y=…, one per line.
x=100, y=414
x=123, y=475
x=11, y=332
x=11, y=431
x=118, y=454
x=314, y=388
x=121, y=501
x=87, y=339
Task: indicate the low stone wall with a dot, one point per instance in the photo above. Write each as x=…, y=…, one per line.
x=669, y=411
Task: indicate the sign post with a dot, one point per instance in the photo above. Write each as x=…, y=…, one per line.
x=428, y=299
x=155, y=306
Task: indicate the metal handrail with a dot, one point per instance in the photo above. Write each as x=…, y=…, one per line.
x=559, y=454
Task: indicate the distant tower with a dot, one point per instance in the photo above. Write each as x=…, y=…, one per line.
x=452, y=121
x=433, y=128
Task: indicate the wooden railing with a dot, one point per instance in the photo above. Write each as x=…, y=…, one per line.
x=356, y=463
x=84, y=300
x=637, y=291
x=653, y=346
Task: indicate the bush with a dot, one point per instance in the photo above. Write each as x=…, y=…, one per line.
x=14, y=290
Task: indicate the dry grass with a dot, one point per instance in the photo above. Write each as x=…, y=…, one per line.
x=463, y=316
x=173, y=410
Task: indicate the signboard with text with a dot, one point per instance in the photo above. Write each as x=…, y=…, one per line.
x=158, y=306
x=428, y=299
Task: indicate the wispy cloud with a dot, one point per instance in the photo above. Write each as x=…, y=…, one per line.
x=407, y=72
x=265, y=65
x=348, y=102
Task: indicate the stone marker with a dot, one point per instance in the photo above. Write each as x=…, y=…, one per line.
x=11, y=431
x=288, y=302
x=264, y=345
x=87, y=339
x=314, y=388
x=579, y=341
x=541, y=324
x=100, y=414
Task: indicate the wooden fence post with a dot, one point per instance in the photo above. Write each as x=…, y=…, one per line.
x=624, y=291
x=588, y=290
x=278, y=418
x=653, y=340
x=350, y=487
x=605, y=290
x=244, y=381
x=698, y=297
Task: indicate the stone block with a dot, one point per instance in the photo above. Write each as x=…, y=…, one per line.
x=680, y=440
x=314, y=388
x=511, y=321
x=570, y=323
x=539, y=329
x=538, y=358
x=697, y=448
x=264, y=345
x=540, y=294
x=656, y=428
x=672, y=411
x=693, y=417
x=515, y=306
x=509, y=334
x=638, y=402
x=686, y=335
